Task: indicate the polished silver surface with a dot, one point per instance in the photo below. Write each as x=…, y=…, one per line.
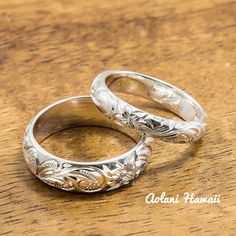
x=170, y=97
x=81, y=176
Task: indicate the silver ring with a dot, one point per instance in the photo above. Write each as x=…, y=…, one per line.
x=170, y=97
x=81, y=176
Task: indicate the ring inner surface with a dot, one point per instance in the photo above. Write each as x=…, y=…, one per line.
x=80, y=114
x=166, y=96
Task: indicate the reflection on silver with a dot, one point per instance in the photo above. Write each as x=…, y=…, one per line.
x=81, y=176
x=154, y=89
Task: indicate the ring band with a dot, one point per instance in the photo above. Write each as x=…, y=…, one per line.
x=81, y=176
x=170, y=97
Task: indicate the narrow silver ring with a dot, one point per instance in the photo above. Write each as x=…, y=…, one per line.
x=80, y=176
x=170, y=97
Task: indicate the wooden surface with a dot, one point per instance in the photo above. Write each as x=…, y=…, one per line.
x=53, y=49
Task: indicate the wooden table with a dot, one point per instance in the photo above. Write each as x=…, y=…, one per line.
x=53, y=49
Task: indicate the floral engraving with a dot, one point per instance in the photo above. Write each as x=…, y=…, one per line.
x=165, y=129
x=30, y=154
x=71, y=178
x=94, y=178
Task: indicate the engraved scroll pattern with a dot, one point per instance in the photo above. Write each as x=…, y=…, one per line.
x=167, y=130
x=97, y=177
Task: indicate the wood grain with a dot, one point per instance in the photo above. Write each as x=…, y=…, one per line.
x=53, y=49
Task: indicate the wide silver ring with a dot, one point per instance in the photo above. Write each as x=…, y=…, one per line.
x=81, y=176
x=170, y=97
